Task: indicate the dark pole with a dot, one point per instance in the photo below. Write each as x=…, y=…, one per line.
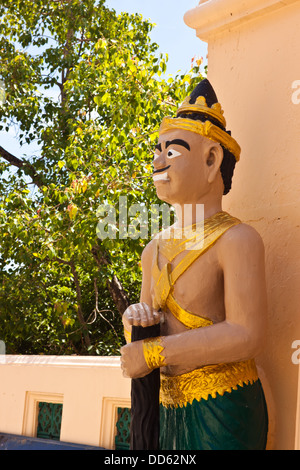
x=144, y=427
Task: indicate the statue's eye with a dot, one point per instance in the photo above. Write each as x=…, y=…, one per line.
x=156, y=155
x=173, y=153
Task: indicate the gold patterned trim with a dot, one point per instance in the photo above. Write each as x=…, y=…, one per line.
x=152, y=349
x=206, y=382
x=201, y=107
x=206, y=129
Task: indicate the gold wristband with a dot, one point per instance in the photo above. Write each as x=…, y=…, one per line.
x=152, y=349
x=127, y=335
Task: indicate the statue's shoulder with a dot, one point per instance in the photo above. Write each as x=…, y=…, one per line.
x=240, y=239
x=150, y=249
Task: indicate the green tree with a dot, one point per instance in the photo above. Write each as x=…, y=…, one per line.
x=87, y=88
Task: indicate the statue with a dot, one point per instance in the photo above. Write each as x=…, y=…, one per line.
x=207, y=290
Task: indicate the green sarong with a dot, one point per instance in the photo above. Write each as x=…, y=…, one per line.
x=238, y=420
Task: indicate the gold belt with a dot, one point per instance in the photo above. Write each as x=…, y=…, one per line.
x=207, y=381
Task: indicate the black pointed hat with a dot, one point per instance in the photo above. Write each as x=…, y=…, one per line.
x=205, y=89
x=203, y=114
x=203, y=100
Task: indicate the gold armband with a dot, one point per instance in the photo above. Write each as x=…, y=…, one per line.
x=152, y=349
x=127, y=335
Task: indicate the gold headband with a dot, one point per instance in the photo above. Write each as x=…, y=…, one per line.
x=200, y=106
x=206, y=129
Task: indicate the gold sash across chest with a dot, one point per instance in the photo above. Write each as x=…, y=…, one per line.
x=195, y=241
x=209, y=380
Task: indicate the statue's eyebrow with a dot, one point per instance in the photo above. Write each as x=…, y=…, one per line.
x=181, y=142
x=158, y=147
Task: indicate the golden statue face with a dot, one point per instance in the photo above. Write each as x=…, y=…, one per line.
x=181, y=169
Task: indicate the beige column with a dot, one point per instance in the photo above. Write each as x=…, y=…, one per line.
x=253, y=64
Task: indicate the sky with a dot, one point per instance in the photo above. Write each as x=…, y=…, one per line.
x=171, y=34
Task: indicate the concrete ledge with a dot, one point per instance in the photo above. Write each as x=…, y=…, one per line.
x=61, y=361
x=211, y=17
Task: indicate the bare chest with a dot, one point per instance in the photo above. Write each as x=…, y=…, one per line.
x=200, y=288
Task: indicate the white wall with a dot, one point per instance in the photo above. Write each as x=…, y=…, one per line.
x=90, y=388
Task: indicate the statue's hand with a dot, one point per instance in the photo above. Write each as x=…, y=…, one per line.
x=132, y=357
x=133, y=363
x=140, y=315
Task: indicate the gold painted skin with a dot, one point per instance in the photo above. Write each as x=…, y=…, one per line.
x=209, y=380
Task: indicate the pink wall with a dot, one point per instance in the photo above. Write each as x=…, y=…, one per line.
x=252, y=64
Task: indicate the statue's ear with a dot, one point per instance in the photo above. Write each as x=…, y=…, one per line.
x=214, y=161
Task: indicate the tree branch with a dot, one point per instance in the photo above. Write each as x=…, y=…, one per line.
x=80, y=316
x=79, y=312
x=114, y=286
x=23, y=165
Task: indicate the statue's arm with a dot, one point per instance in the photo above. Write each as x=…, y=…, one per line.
x=142, y=314
x=241, y=335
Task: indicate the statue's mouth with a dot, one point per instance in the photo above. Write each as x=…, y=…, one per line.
x=161, y=170
x=161, y=174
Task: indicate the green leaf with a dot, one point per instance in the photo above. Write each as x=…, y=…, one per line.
x=87, y=88
x=98, y=100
